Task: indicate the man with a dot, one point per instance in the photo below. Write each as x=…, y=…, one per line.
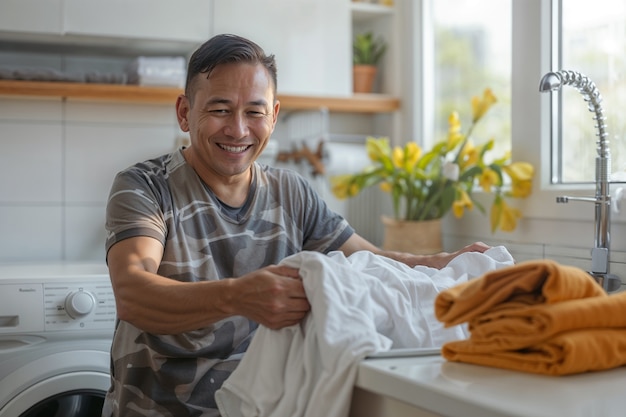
x=194, y=239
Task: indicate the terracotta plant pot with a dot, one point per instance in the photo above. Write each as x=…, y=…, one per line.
x=363, y=77
x=418, y=237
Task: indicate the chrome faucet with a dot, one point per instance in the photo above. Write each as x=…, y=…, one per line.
x=553, y=81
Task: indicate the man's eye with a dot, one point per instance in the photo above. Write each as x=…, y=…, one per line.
x=218, y=111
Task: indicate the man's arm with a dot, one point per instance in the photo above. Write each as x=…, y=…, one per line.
x=439, y=260
x=272, y=296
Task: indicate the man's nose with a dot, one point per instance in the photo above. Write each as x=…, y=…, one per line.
x=237, y=126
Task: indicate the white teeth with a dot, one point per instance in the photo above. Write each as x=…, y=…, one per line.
x=234, y=149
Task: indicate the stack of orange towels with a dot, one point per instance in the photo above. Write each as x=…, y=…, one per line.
x=536, y=316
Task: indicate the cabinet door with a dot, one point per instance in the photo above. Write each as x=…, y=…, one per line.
x=310, y=38
x=171, y=20
x=31, y=16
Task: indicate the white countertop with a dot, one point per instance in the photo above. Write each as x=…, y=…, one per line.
x=463, y=390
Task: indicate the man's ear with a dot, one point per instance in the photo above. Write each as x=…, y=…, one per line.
x=182, y=112
x=276, y=110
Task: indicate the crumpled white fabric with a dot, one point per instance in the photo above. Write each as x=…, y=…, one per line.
x=360, y=305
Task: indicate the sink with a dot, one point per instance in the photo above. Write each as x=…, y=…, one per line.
x=406, y=352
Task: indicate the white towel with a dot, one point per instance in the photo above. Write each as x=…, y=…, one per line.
x=360, y=305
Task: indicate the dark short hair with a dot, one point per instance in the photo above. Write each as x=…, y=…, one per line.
x=227, y=49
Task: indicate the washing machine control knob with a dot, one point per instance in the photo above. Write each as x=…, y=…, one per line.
x=79, y=304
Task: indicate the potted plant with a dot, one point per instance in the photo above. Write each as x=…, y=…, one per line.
x=367, y=52
x=425, y=186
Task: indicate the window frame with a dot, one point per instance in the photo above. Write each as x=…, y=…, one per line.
x=532, y=111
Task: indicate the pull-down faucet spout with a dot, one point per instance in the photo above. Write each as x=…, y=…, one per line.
x=553, y=81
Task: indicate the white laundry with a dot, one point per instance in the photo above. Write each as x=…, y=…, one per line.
x=360, y=305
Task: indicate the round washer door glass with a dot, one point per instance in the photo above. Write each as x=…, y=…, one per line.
x=82, y=403
x=74, y=394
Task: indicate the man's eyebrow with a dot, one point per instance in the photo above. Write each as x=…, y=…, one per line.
x=260, y=102
x=220, y=100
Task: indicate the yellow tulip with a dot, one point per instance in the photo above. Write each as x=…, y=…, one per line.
x=397, y=157
x=462, y=202
x=343, y=187
x=504, y=216
x=520, y=171
x=412, y=154
x=469, y=155
x=521, y=174
x=488, y=178
x=377, y=149
x=455, y=137
x=521, y=189
x=386, y=186
x=480, y=106
x=454, y=122
x=406, y=158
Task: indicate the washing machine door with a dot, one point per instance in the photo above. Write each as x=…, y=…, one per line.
x=78, y=394
x=71, y=383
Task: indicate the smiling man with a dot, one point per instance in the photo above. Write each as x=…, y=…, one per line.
x=194, y=239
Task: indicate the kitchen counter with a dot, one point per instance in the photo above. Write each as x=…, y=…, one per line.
x=430, y=386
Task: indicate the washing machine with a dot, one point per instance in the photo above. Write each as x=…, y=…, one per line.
x=56, y=327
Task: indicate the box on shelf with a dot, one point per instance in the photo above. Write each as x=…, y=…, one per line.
x=157, y=71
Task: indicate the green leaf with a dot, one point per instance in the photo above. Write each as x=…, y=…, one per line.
x=447, y=198
x=470, y=173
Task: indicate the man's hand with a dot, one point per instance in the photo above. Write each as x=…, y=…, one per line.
x=272, y=296
x=438, y=260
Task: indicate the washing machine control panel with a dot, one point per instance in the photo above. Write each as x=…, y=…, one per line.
x=75, y=306
x=72, y=299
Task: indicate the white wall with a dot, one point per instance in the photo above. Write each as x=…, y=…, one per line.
x=57, y=162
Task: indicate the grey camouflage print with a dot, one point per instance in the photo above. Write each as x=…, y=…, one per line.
x=177, y=375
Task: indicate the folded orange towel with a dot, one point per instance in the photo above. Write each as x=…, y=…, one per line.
x=518, y=328
x=566, y=353
x=526, y=283
x=536, y=316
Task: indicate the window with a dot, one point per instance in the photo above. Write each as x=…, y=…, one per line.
x=593, y=41
x=472, y=51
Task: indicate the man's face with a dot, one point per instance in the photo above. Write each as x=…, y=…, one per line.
x=229, y=119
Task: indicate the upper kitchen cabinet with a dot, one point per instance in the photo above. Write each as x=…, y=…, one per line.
x=167, y=20
x=311, y=40
x=158, y=26
x=24, y=17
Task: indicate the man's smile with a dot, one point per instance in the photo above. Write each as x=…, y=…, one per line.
x=235, y=149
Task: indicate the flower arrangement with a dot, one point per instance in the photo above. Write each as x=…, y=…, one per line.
x=425, y=186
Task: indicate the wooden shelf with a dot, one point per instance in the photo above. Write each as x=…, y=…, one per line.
x=358, y=103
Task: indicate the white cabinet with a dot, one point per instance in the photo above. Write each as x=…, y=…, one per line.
x=311, y=40
x=31, y=16
x=170, y=20
x=106, y=22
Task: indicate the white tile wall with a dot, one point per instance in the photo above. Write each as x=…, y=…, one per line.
x=31, y=162
x=57, y=161
x=31, y=232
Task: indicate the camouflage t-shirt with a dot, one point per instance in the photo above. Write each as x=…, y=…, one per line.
x=203, y=239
